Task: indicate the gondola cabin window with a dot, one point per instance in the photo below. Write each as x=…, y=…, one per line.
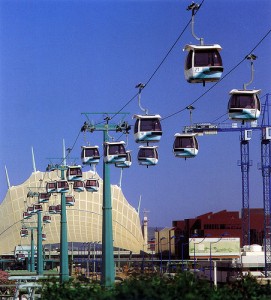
x=148, y=125
x=185, y=142
x=147, y=153
x=243, y=101
x=116, y=149
x=207, y=58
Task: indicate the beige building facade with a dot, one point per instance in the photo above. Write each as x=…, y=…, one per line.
x=84, y=219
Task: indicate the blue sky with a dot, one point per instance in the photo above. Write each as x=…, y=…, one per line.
x=61, y=58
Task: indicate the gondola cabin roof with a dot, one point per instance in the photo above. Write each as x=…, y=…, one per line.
x=185, y=134
x=203, y=47
x=146, y=117
x=241, y=92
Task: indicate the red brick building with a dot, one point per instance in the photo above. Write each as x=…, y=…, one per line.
x=217, y=224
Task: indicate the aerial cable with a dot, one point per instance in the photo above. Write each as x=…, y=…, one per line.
x=161, y=63
x=223, y=77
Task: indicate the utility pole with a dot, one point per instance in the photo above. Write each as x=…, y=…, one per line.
x=108, y=268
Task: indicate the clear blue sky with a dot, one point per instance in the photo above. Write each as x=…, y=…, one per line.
x=61, y=58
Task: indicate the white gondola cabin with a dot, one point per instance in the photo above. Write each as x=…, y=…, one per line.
x=62, y=186
x=90, y=155
x=46, y=219
x=147, y=155
x=70, y=200
x=92, y=185
x=37, y=208
x=127, y=163
x=185, y=145
x=74, y=173
x=44, y=197
x=58, y=209
x=52, y=209
x=43, y=236
x=20, y=256
x=147, y=128
x=26, y=215
x=30, y=210
x=51, y=187
x=114, y=152
x=23, y=232
x=79, y=186
x=203, y=63
x=244, y=105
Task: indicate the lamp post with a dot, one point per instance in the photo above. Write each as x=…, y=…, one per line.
x=195, y=253
x=161, y=255
x=94, y=256
x=184, y=244
x=211, y=243
x=151, y=245
x=207, y=235
x=169, y=249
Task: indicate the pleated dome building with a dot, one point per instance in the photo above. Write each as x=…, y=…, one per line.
x=84, y=218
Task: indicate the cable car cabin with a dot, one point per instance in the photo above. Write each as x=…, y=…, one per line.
x=62, y=186
x=74, y=173
x=23, y=232
x=37, y=208
x=52, y=209
x=244, y=105
x=127, y=163
x=26, y=215
x=51, y=187
x=43, y=236
x=58, y=209
x=44, y=197
x=147, y=155
x=90, y=155
x=79, y=186
x=46, y=219
x=70, y=200
x=114, y=152
x=185, y=145
x=30, y=210
x=92, y=185
x=203, y=63
x=20, y=257
x=147, y=128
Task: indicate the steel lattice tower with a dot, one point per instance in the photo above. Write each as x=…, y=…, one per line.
x=245, y=164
